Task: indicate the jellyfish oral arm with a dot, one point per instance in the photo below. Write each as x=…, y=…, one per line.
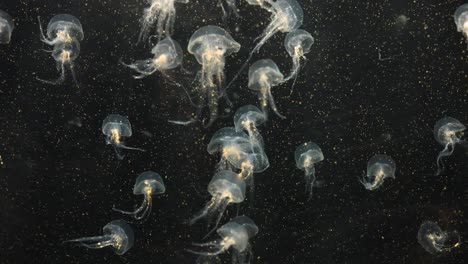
x=271, y=101
x=144, y=209
x=218, y=247
x=94, y=242
x=144, y=67
x=217, y=204
x=447, y=151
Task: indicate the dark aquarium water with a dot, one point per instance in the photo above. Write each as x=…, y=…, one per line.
x=364, y=161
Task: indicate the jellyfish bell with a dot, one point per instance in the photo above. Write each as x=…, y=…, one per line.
x=306, y=155
x=6, y=27
x=65, y=27
x=461, y=19
x=379, y=168
x=116, y=127
x=247, y=116
x=448, y=132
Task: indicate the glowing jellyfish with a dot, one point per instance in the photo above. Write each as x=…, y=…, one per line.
x=167, y=56
x=236, y=235
x=461, y=19
x=379, y=167
x=6, y=27
x=64, y=33
x=116, y=234
x=448, y=132
x=263, y=75
x=248, y=118
x=434, y=240
x=148, y=183
x=163, y=13
x=297, y=44
x=306, y=155
x=210, y=45
x=225, y=187
x=116, y=127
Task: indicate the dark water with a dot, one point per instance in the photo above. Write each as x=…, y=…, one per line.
x=58, y=179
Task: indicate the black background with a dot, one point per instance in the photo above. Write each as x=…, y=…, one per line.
x=59, y=180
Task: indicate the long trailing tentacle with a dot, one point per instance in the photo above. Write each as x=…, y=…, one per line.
x=217, y=246
x=221, y=208
x=271, y=100
x=60, y=80
x=43, y=37
x=205, y=211
x=310, y=180
x=142, y=207
x=447, y=151
x=93, y=242
x=130, y=148
x=146, y=213
x=118, y=152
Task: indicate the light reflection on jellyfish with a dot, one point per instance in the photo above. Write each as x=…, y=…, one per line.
x=448, y=132
x=6, y=27
x=64, y=33
x=434, y=240
x=306, y=156
x=148, y=183
x=167, y=56
x=236, y=235
x=161, y=12
x=461, y=19
x=115, y=128
x=263, y=75
x=379, y=167
x=210, y=45
x=116, y=234
x=248, y=118
x=297, y=44
x=225, y=187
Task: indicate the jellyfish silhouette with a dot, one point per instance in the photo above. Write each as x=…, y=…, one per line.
x=115, y=128
x=379, y=168
x=148, y=183
x=116, y=234
x=447, y=132
x=434, y=240
x=306, y=155
x=6, y=27
x=64, y=33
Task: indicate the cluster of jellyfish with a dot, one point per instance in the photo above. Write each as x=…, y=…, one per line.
x=242, y=155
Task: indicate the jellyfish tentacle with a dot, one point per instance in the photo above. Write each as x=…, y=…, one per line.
x=61, y=78
x=271, y=100
x=130, y=148
x=138, y=210
x=447, y=151
x=310, y=180
x=221, y=208
x=146, y=213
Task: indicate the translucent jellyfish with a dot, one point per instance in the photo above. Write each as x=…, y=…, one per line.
x=116, y=234
x=116, y=127
x=229, y=8
x=248, y=118
x=263, y=75
x=461, y=19
x=448, y=132
x=297, y=44
x=286, y=16
x=64, y=33
x=379, y=167
x=236, y=235
x=167, y=56
x=306, y=155
x=6, y=27
x=434, y=240
x=225, y=187
x=210, y=45
x=148, y=183
x=163, y=13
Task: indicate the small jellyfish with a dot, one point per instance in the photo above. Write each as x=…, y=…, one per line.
x=379, y=167
x=434, y=240
x=115, y=127
x=163, y=13
x=461, y=19
x=64, y=33
x=248, y=118
x=297, y=44
x=148, y=183
x=448, y=132
x=263, y=75
x=306, y=155
x=225, y=187
x=167, y=56
x=236, y=235
x=6, y=27
x=210, y=45
x=116, y=234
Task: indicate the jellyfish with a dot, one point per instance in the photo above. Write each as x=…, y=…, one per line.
x=229, y=8
x=225, y=187
x=306, y=155
x=163, y=13
x=263, y=75
x=116, y=127
x=116, y=234
x=236, y=235
x=64, y=33
x=6, y=27
x=447, y=132
x=148, y=183
x=210, y=45
x=297, y=44
x=248, y=118
x=461, y=19
x=167, y=56
x=379, y=167
x=434, y=240
x=286, y=16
